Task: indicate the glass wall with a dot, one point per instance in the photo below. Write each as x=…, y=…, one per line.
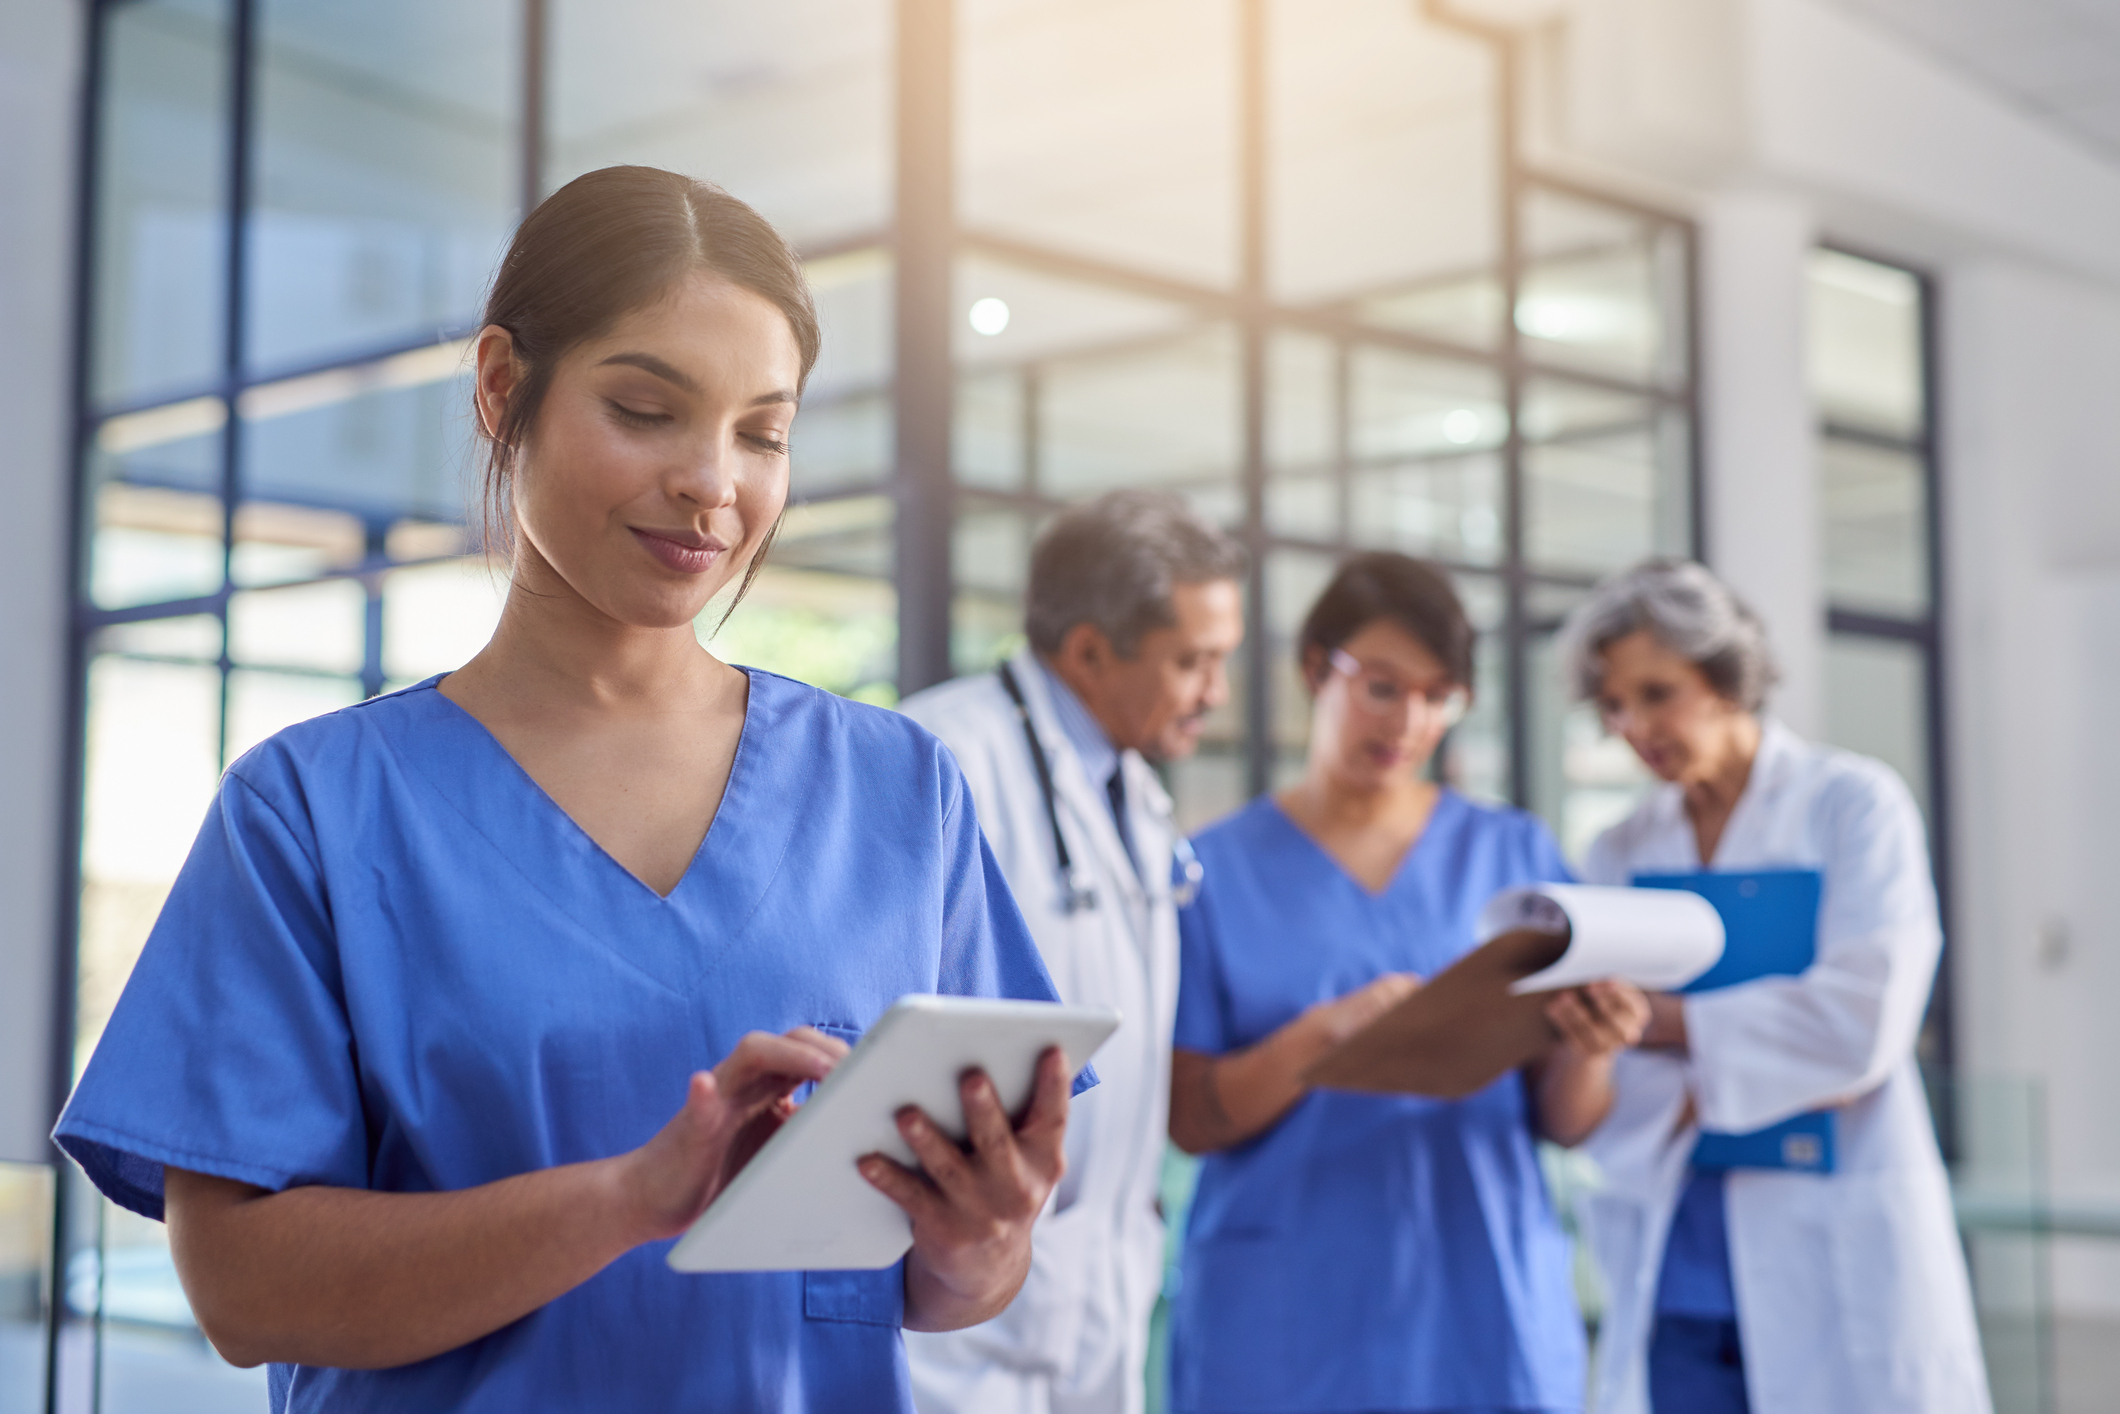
x=1328, y=306
x=1870, y=377
x=1284, y=264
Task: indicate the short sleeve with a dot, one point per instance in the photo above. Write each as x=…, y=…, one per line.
x=1203, y=1018
x=229, y=1052
x=987, y=950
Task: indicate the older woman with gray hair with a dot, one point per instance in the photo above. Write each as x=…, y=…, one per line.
x=1832, y=1286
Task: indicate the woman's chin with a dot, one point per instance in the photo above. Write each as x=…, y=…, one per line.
x=658, y=609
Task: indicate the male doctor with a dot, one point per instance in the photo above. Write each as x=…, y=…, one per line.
x=1132, y=612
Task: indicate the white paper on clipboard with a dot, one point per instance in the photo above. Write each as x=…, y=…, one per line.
x=1660, y=939
x=801, y=1205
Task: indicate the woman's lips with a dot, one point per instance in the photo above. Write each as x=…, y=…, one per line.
x=679, y=556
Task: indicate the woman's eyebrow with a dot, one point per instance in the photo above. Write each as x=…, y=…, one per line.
x=669, y=373
x=649, y=363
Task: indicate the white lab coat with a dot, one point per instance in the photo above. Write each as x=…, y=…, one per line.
x=1851, y=1287
x=1076, y=1337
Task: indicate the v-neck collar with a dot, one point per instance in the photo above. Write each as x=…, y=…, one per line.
x=1446, y=799
x=675, y=938
x=729, y=789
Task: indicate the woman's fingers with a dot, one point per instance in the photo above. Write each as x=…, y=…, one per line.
x=939, y=1155
x=1042, y=1134
x=1005, y=1171
x=909, y=1190
x=1623, y=1008
x=831, y=1045
x=1601, y=1017
x=764, y=1067
x=985, y=1122
x=1572, y=1019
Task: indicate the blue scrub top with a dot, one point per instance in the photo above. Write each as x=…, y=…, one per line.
x=392, y=962
x=1369, y=1252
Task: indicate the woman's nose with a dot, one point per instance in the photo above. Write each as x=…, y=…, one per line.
x=706, y=476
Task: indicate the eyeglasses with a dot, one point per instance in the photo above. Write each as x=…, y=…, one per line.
x=1381, y=693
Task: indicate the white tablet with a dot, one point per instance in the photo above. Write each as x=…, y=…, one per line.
x=801, y=1205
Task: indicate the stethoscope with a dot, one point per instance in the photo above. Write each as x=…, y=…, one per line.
x=1076, y=892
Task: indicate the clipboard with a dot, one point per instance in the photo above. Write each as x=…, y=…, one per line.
x=1485, y=1014
x=801, y=1205
x=1771, y=919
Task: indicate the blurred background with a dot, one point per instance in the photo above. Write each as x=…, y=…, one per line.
x=1826, y=292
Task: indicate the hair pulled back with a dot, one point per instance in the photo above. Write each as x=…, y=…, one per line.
x=602, y=246
x=1683, y=606
x=1397, y=589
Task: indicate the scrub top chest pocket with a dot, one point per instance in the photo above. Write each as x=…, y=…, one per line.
x=875, y=1298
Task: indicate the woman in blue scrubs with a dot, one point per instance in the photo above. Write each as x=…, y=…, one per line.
x=470, y=998
x=1358, y=1252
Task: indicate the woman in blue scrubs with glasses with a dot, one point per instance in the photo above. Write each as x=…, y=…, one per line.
x=1362, y=1252
x=472, y=997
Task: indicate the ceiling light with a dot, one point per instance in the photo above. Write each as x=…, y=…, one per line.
x=989, y=316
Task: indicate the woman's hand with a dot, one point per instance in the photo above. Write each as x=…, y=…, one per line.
x=366, y=1280
x=972, y=1205
x=1333, y=1022
x=728, y=1115
x=1667, y=1022
x=1220, y=1101
x=1600, y=1019
x=1574, y=1083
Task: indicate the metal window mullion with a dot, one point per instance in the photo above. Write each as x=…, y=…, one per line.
x=1943, y=1002
x=1343, y=460
x=1252, y=314
x=923, y=249
x=1032, y=428
x=536, y=22
x=66, y=948
x=1516, y=645
x=242, y=90
x=1696, y=436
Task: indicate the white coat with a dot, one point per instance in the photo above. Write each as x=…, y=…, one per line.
x=1076, y=1337
x=1851, y=1288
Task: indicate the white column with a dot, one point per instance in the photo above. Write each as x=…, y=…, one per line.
x=2031, y=508
x=39, y=75
x=1761, y=441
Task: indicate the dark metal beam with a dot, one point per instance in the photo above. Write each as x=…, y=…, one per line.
x=923, y=240
x=66, y=935
x=531, y=179
x=1516, y=649
x=1253, y=196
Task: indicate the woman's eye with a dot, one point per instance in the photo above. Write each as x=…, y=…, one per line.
x=767, y=442
x=634, y=418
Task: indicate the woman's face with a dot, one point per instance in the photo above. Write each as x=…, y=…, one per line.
x=1380, y=706
x=659, y=460
x=1680, y=726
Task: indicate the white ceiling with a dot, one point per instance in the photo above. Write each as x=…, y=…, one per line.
x=2058, y=58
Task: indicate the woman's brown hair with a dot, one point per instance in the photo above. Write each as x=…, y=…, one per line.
x=605, y=244
x=1401, y=590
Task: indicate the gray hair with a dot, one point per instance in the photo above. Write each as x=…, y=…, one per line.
x=1112, y=563
x=1686, y=609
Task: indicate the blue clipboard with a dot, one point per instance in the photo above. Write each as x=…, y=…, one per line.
x=1770, y=923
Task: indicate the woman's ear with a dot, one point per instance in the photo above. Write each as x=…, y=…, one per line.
x=498, y=374
x=1316, y=667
